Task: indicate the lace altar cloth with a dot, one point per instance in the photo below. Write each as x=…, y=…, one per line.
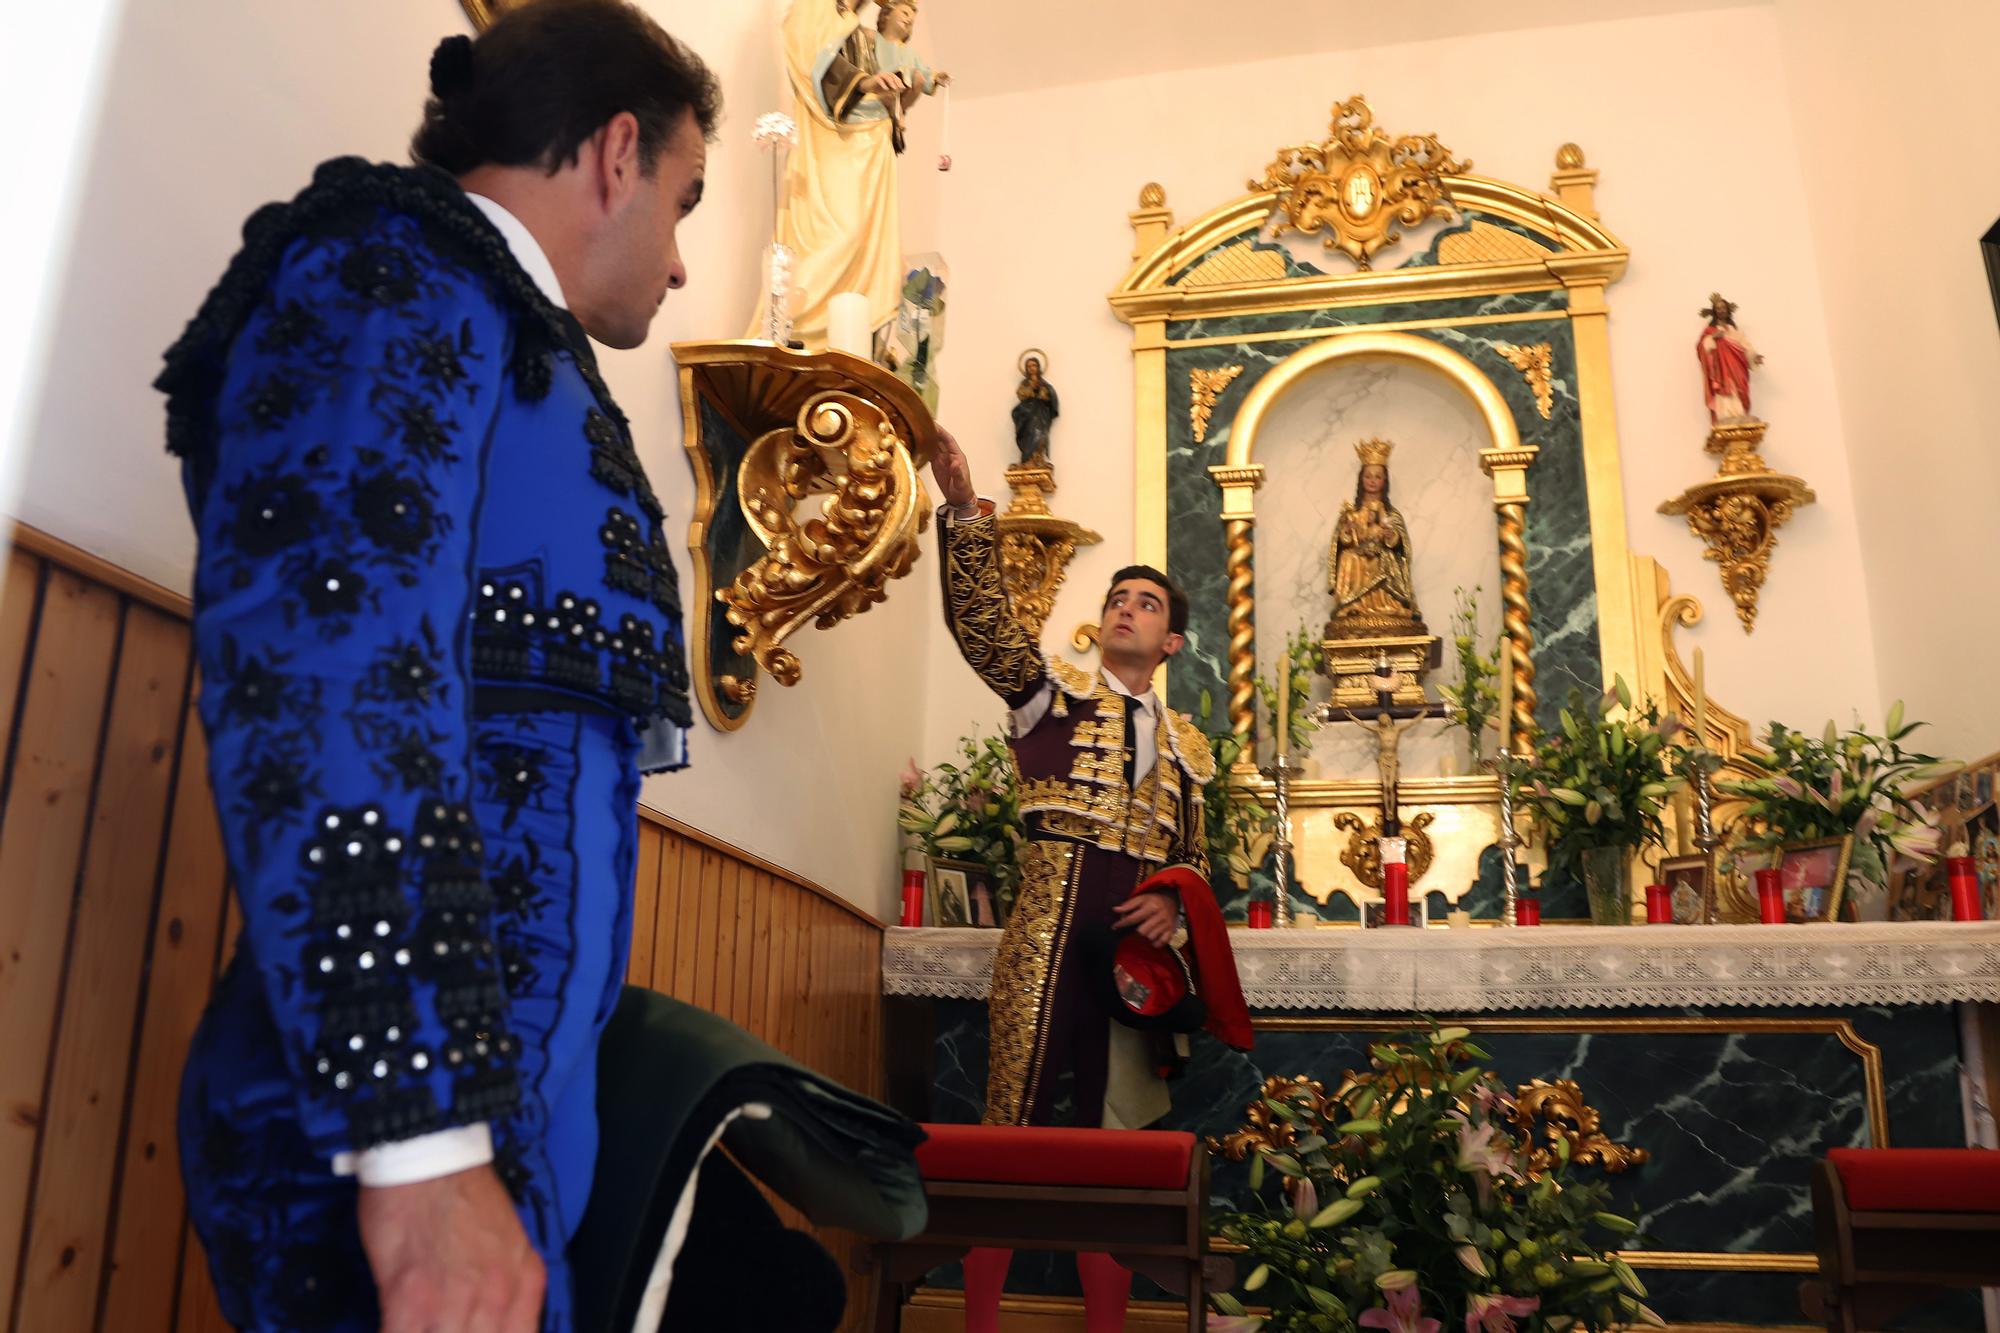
x=1545, y=967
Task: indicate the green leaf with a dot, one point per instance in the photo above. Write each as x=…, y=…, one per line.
x=1365, y=1126
x=1609, y=1221
x=1335, y=1213
x=1282, y=1111
x=1446, y=1036
x=1891, y=725
x=1364, y=1187
x=1257, y=1277
x=1225, y=1303
x=1327, y=1302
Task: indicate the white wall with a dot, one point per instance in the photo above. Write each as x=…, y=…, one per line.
x=1900, y=183
x=1705, y=191
x=214, y=108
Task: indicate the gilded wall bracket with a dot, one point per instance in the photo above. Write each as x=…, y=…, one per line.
x=808, y=501
x=1036, y=546
x=1738, y=514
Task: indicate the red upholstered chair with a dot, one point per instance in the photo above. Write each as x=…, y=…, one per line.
x=1137, y=1195
x=1894, y=1223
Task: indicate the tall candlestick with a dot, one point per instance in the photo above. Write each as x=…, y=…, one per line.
x=1700, y=702
x=1683, y=821
x=1506, y=697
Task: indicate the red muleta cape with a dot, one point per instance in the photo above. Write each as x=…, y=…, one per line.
x=1209, y=954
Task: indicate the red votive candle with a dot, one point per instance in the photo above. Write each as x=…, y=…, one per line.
x=1770, y=898
x=913, y=898
x=1259, y=916
x=1659, y=906
x=1527, y=911
x=1964, y=878
x=1396, y=894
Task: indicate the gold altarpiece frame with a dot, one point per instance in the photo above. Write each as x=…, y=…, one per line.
x=1211, y=267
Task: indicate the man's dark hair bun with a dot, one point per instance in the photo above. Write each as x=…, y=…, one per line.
x=451, y=67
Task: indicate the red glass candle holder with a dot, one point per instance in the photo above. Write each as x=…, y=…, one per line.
x=1396, y=894
x=1659, y=906
x=1963, y=876
x=1770, y=898
x=1258, y=915
x=1527, y=911
x=913, y=898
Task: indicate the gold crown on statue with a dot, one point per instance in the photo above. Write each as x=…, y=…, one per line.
x=1374, y=452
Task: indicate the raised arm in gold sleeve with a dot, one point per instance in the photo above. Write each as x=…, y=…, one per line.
x=992, y=642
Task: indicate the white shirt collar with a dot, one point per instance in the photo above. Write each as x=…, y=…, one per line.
x=528, y=252
x=1146, y=700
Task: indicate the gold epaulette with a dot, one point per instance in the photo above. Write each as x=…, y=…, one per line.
x=1190, y=747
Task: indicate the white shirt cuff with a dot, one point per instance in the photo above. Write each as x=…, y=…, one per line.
x=425, y=1157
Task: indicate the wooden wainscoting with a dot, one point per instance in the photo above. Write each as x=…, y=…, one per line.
x=115, y=919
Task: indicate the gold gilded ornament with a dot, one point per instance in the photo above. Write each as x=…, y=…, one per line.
x=1206, y=386
x=1358, y=184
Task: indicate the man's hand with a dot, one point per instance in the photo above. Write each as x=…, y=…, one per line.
x=885, y=84
x=942, y=80
x=953, y=473
x=449, y=1256
x=1153, y=915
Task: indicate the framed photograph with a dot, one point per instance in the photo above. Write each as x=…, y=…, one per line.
x=1690, y=882
x=1814, y=877
x=950, y=894
x=961, y=894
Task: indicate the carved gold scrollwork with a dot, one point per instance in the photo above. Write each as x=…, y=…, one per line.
x=1358, y=183
x=1534, y=364
x=1364, y=848
x=1546, y=1112
x=837, y=562
x=1737, y=515
x=1206, y=386
x=823, y=452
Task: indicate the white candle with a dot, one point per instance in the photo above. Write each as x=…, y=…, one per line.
x=847, y=324
x=1459, y=919
x=1284, y=707
x=1700, y=702
x=1506, y=697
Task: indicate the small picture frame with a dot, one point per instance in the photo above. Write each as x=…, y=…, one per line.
x=1814, y=878
x=950, y=894
x=1690, y=882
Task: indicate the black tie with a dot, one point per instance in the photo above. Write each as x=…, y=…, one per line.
x=1131, y=741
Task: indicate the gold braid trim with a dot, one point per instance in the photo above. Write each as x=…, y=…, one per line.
x=991, y=641
x=1023, y=970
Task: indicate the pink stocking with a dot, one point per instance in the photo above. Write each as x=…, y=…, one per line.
x=1107, y=1285
x=985, y=1275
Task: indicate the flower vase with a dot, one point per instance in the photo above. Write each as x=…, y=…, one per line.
x=1607, y=882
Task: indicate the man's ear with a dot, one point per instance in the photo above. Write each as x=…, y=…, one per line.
x=1173, y=643
x=616, y=149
